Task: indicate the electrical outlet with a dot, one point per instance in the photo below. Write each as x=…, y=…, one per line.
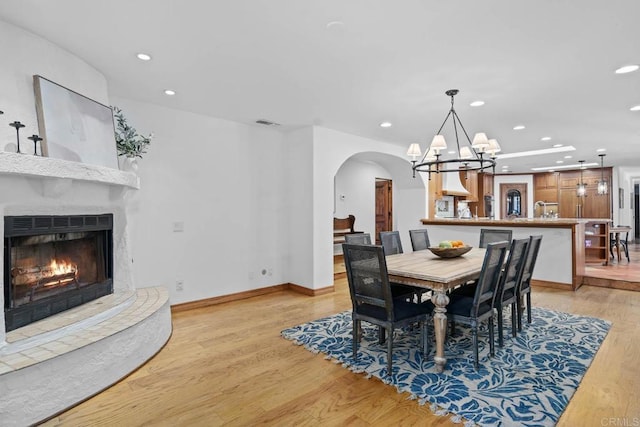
x=179, y=285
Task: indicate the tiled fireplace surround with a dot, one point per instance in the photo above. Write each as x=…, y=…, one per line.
x=50, y=365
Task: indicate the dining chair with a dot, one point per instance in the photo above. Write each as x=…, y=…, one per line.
x=508, y=286
x=524, y=287
x=391, y=242
x=373, y=302
x=358, y=239
x=419, y=239
x=622, y=242
x=473, y=310
x=490, y=235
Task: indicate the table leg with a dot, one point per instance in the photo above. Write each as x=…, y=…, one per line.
x=440, y=300
x=618, y=245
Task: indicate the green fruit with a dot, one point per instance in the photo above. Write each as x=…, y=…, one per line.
x=445, y=244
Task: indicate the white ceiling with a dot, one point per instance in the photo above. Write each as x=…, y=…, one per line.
x=547, y=64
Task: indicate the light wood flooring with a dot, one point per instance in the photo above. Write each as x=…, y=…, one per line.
x=227, y=365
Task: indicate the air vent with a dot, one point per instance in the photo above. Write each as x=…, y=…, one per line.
x=22, y=223
x=60, y=221
x=91, y=220
x=42, y=222
x=267, y=123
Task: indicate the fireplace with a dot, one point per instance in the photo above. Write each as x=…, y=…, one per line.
x=54, y=263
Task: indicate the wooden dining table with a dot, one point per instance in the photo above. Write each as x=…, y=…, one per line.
x=423, y=269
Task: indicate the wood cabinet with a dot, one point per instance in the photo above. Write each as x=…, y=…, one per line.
x=592, y=205
x=469, y=180
x=596, y=242
x=545, y=187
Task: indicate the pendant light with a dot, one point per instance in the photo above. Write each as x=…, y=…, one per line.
x=603, y=187
x=582, y=187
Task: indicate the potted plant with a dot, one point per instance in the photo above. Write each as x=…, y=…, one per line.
x=129, y=142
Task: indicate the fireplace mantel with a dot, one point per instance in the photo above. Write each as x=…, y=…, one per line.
x=46, y=167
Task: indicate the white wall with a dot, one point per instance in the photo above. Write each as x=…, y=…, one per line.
x=224, y=182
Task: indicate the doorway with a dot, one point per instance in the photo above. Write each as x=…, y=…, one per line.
x=514, y=200
x=384, y=206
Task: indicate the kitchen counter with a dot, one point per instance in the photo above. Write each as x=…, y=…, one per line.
x=561, y=259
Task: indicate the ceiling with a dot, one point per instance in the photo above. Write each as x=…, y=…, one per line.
x=547, y=64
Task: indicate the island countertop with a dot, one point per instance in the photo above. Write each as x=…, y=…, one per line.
x=516, y=222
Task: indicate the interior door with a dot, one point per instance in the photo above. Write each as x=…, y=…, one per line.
x=514, y=200
x=384, y=207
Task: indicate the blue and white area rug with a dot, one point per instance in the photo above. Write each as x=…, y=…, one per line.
x=528, y=382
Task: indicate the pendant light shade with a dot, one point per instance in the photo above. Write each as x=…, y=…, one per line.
x=582, y=187
x=603, y=186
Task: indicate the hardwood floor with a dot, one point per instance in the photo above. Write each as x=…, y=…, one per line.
x=227, y=365
x=620, y=274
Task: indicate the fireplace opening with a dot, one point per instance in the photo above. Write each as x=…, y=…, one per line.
x=54, y=263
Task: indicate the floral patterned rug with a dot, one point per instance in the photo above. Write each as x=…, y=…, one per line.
x=529, y=381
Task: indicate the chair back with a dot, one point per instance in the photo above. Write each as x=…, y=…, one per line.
x=488, y=281
x=530, y=261
x=391, y=242
x=368, y=279
x=626, y=235
x=489, y=235
x=344, y=224
x=513, y=269
x=419, y=239
x=358, y=239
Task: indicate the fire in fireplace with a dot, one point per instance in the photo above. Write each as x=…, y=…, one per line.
x=53, y=263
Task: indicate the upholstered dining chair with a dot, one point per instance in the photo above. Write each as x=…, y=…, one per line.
x=489, y=235
x=373, y=302
x=391, y=242
x=419, y=239
x=358, y=239
x=524, y=287
x=473, y=310
x=508, y=287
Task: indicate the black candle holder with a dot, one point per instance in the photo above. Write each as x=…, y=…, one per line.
x=35, y=139
x=18, y=126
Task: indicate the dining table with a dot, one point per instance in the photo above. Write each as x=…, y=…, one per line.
x=423, y=269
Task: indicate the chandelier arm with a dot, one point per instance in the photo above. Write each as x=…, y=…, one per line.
x=455, y=131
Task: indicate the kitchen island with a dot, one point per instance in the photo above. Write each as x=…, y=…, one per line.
x=562, y=255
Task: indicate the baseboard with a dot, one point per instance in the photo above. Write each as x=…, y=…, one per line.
x=249, y=294
x=554, y=285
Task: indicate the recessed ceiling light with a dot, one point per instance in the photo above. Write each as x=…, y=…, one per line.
x=144, y=57
x=557, y=145
x=545, y=138
x=477, y=103
x=335, y=24
x=519, y=127
x=559, y=161
x=568, y=157
x=600, y=150
x=385, y=125
x=169, y=92
x=627, y=69
x=451, y=152
x=635, y=108
x=549, y=168
x=537, y=152
x=505, y=167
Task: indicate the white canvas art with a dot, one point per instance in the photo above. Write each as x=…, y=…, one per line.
x=73, y=126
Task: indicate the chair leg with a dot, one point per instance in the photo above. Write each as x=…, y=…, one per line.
x=500, y=336
x=390, y=352
x=474, y=335
x=492, y=348
x=513, y=319
x=528, y=307
x=381, y=333
x=356, y=338
x=520, y=302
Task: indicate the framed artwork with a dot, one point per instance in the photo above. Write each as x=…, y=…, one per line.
x=621, y=198
x=74, y=127
x=444, y=207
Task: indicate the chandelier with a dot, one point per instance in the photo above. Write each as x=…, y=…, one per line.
x=603, y=187
x=470, y=157
x=581, y=189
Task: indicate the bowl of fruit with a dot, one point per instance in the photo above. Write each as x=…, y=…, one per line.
x=450, y=249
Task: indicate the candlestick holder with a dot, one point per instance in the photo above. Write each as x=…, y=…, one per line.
x=35, y=139
x=18, y=126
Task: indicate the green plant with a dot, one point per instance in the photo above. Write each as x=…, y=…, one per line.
x=128, y=141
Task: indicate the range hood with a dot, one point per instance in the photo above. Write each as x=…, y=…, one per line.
x=451, y=185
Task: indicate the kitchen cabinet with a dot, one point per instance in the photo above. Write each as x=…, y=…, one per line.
x=545, y=187
x=593, y=205
x=469, y=180
x=596, y=241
